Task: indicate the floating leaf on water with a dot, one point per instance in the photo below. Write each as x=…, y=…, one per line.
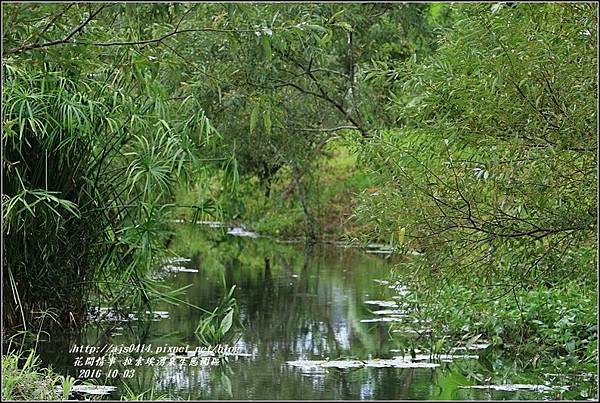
x=176, y=259
x=343, y=364
x=93, y=389
x=178, y=269
x=308, y=366
x=514, y=387
x=383, y=319
x=158, y=315
x=99, y=314
x=385, y=304
x=389, y=312
x=212, y=224
x=400, y=289
x=399, y=362
x=381, y=251
x=237, y=231
x=395, y=350
x=379, y=246
x=474, y=346
x=444, y=357
x=412, y=331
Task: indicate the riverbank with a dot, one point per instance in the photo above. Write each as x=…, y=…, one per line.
x=335, y=186
x=24, y=379
x=551, y=331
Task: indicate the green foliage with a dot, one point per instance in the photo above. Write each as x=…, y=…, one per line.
x=475, y=124
x=492, y=168
x=22, y=379
x=149, y=394
x=92, y=152
x=215, y=326
x=542, y=323
x=487, y=179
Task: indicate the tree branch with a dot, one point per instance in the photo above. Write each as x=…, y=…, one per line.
x=327, y=129
x=165, y=36
x=123, y=43
x=52, y=21
x=66, y=39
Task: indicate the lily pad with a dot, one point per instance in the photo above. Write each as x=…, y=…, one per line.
x=513, y=387
x=308, y=366
x=178, y=269
x=93, y=389
x=383, y=319
x=385, y=304
x=444, y=357
x=390, y=312
x=343, y=364
x=400, y=362
x=237, y=231
x=176, y=259
x=397, y=362
x=474, y=346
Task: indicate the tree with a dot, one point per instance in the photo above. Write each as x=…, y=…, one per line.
x=492, y=167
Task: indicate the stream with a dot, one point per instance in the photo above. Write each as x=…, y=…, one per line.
x=308, y=328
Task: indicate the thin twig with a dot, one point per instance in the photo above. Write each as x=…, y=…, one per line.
x=66, y=39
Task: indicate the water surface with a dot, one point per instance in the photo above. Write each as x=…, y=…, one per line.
x=295, y=303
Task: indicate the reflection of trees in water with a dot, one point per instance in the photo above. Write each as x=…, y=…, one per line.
x=296, y=308
x=315, y=313
x=293, y=303
x=285, y=316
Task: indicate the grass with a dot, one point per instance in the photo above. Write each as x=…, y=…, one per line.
x=23, y=379
x=128, y=394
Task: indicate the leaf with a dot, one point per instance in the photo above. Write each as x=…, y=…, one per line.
x=317, y=28
x=473, y=340
x=325, y=39
x=227, y=322
x=253, y=119
x=401, y=233
x=266, y=46
x=345, y=26
x=334, y=16
x=227, y=385
x=267, y=121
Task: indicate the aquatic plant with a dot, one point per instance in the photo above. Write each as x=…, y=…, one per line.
x=214, y=327
x=88, y=180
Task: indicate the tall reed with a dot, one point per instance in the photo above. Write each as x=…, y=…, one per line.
x=88, y=171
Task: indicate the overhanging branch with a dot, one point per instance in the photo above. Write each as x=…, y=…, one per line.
x=66, y=39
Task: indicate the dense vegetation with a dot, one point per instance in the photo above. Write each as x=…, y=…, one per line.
x=464, y=136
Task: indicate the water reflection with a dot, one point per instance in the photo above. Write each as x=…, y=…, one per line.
x=295, y=303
